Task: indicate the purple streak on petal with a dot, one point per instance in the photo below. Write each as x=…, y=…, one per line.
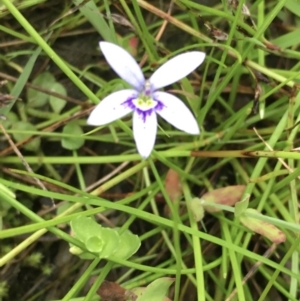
x=111, y=108
x=128, y=103
x=159, y=106
x=145, y=114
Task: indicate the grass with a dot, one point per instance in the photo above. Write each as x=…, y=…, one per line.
x=246, y=100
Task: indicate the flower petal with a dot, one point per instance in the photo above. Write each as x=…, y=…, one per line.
x=176, y=113
x=112, y=107
x=123, y=64
x=176, y=68
x=144, y=126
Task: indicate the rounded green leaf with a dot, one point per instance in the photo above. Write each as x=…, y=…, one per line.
x=84, y=228
x=94, y=244
x=128, y=245
x=37, y=98
x=24, y=126
x=56, y=103
x=75, y=142
x=155, y=291
x=11, y=118
x=111, y=239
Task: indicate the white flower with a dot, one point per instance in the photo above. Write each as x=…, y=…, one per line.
x=144, y=100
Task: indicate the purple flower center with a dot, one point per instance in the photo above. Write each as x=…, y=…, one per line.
x=144, y=104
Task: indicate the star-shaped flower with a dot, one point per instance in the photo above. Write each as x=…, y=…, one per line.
x=144, y=100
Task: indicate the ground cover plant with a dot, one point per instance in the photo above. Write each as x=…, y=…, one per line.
x=88, y=211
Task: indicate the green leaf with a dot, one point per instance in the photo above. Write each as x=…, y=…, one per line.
x=24, y=126
x=103, y=241
x=128, y=245
x=84, y=228
x=111, y=240
x=72, y=143
x=56, y=103
x=156, y=291
x=37, y=98
x=94, y=244
x=11, y=118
